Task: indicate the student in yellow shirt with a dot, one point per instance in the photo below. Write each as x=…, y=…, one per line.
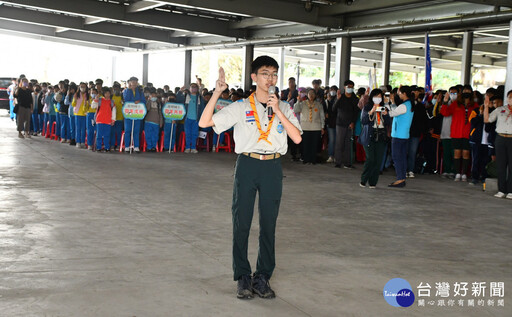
x=117, y=129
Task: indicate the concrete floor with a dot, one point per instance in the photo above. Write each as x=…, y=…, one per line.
x=90, y=234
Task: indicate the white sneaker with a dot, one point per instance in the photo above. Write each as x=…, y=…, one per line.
x=509, y=196
x=444, y=175
x=372, y=187
x=330, y=159
x=127, y=149
x=78, y=145
x=457, y=177
x=187, y=150
x=194, y=151
x=411, y=175
x=89, y=147
x=136, y=149
x=213, y=148
x=499, y=195
x=464, y=178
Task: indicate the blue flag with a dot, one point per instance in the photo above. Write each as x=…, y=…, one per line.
x=428, y=73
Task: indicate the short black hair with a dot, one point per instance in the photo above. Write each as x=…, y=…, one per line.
x=291, y=78
x=348, y=82
x=263, y=61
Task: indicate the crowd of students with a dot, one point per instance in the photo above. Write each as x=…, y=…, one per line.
x=457, y=132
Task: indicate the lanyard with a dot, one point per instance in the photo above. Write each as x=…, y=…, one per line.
x=310, y=110
x=263, y=135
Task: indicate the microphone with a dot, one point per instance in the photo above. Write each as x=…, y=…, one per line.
x=271, y=91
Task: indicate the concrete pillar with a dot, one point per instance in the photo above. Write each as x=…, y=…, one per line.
x=508, y=82
x=467, y=52
x=145, y=64
x=246, y=71
x=415, y=78
x=386, y=60
x=114, y=68
x=343, y=54
x=188, y=68
x=213, y=74
x=281, y=79
x=327, y=64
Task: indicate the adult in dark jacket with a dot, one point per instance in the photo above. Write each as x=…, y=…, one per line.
x=377, y=122
x=330, y=122
x=346, y=111
x=25, y=104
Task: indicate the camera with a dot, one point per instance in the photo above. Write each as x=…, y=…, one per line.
x=380, y=109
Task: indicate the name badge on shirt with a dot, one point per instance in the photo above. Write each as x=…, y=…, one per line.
x=280, y=128
x=249, y=116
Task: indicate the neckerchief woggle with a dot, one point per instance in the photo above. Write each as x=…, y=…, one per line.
x=263, y=135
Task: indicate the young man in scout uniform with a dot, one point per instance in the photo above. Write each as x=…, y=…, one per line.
x=260, y=141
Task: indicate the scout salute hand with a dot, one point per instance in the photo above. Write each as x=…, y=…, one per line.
x=220, y=85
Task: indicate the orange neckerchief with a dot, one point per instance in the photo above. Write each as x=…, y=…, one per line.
x=263, y=135
x=378, y=119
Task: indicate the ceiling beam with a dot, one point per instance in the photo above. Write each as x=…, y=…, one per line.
x=65, y=23
x=143, y=6
x=69, y=35
x=272, y=9
x=114, y=12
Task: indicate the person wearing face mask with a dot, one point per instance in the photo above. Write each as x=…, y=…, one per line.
x=334, y=95
x=312, y=119
x=418, y=129
x=25, y=106
x=117, y=129
x=91, y=113
x=153, y=121
x=81, y=104
x=194, y=106
x=460, y=110
x=376, y=117
x=346, y=112
x=10, y=90
x=36, y=100
x=168, y=127
x=502, y=115
x=133, y=93
x=478, y=140
x=71, y=114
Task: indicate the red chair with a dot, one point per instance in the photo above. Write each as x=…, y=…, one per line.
x=181, y=142
x=48, y=134
x=143, y=141
x=227, y=141
x=121, y=146
x=200, y=142
x=160, y=144
x=53, y=135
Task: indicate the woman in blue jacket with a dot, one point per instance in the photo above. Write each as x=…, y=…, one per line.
x=402, y=119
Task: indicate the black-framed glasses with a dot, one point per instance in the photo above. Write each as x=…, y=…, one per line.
x=266, y=75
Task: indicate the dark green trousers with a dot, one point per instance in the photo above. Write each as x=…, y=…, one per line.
x=266, y=178
x=374, y=156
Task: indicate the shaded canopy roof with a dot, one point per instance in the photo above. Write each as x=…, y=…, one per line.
x=302, y=25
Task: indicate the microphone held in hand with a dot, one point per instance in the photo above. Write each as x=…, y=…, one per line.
x=271, y=91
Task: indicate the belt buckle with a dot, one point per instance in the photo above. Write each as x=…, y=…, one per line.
x=262, y=157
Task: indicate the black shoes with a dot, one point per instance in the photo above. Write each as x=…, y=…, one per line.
x=261, y=286
x=244, y=288
x=401, y=184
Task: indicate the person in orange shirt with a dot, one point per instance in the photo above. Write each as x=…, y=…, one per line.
x=105, y=119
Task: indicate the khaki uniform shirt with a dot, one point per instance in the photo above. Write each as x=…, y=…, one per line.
x=239, y=116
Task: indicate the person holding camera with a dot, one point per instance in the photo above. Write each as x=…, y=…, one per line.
x=376, y=119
